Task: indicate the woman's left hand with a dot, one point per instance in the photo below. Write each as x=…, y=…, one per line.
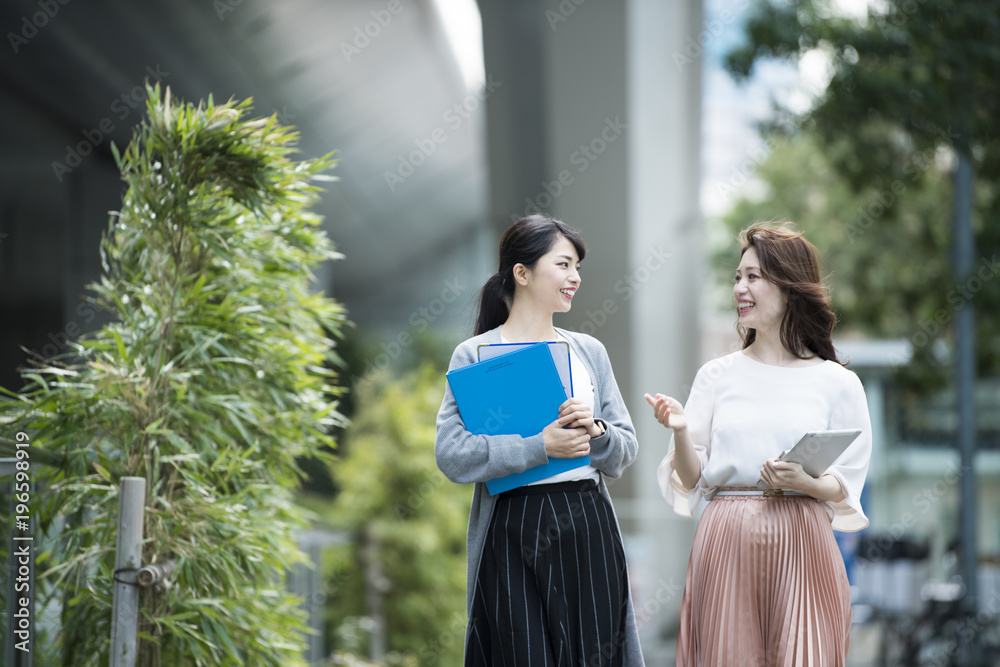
x=778, y=474
x=578, y=414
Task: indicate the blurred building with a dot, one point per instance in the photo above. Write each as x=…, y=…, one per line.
x=451, y=120
x=378, y=84
x=587, y=110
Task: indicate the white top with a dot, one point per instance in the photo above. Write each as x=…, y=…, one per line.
x=583, y=388
x=742, y=412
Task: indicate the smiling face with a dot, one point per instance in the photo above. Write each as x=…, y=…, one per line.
x=553, y=282
x=761, y=303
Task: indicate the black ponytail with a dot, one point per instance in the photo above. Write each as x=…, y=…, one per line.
x=524, y=242
x=493, y=310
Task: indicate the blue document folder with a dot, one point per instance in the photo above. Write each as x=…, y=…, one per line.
x=518, y=393
x=558, y=348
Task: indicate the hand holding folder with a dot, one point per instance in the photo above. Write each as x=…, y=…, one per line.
x=518, y=393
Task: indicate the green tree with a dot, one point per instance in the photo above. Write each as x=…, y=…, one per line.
x=911, y=84
x=408, y=526
x=877, y=293
x=213, y=378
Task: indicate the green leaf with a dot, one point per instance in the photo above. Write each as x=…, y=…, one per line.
x=119, y=344
x=103, y=472
x=206, y=279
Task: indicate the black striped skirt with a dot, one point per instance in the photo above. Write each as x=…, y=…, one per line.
x=552, y=587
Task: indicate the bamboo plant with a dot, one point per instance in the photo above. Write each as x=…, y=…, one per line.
x=213, y=378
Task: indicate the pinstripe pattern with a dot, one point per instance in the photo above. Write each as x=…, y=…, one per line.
x=465, y=458
x=552, y=588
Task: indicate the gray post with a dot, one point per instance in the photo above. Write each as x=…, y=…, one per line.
x=375, y=587
x=965, y=379
x=128, y=556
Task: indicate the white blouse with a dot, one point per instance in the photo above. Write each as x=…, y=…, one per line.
x=742, y=412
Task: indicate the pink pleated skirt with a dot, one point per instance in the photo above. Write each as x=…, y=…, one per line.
x=766, y=587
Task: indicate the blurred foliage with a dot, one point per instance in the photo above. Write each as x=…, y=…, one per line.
x=878, y=293
x=366, y=354
x=407, y=524
x=870, y=182
x=212, y=380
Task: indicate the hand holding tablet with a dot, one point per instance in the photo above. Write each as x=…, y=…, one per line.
x=817, y=450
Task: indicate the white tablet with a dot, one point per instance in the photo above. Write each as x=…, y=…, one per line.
x=816, y=451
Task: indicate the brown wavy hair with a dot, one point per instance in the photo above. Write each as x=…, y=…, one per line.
x=791, y=262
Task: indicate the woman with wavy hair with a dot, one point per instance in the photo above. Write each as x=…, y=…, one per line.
x=547, y=576
x=766, y=584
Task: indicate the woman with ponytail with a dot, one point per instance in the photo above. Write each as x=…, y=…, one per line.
x=766, y=584
x=547, y=580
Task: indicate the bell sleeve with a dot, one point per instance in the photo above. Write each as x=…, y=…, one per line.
x=851, y=468
x=698, y=409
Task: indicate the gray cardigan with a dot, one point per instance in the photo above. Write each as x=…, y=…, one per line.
x=465, y=458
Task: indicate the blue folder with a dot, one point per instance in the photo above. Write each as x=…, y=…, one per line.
x=558, y=348
x=518, y=393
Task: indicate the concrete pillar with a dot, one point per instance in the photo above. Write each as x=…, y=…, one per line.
x=514, y=48
x=598, y=123
x=664, y=334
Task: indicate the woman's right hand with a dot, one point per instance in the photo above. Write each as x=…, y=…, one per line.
x=565, y=443
x=668, y=411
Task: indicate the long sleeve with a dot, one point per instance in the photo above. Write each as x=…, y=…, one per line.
x=465, y=458
x=742, y=412
x=699, y=410
x=851, y=468
x=614, y=451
